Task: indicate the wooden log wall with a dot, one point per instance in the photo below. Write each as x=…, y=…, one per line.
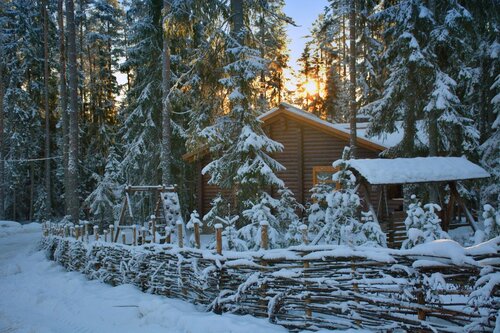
x=304, y=287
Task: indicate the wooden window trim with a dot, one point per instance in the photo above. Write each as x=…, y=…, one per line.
x=318, y=169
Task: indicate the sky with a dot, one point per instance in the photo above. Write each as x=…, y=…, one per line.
x=304, y=13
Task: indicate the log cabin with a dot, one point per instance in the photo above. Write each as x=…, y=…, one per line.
x=311, y=145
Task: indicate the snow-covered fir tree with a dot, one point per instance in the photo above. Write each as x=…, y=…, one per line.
x=104, y=201
x=240, y=148
x=258, y=213
x=422, y=224
x=316, y=209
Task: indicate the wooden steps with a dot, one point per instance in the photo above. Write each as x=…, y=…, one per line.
x=396, y=229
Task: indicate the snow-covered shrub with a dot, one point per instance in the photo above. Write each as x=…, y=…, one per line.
x=194, y=219
x=422, y=224
x=491, y=218
x=373, y=234
x=257, y=213
x=230, y=238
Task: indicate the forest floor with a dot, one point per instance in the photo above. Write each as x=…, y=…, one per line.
x=38, y=295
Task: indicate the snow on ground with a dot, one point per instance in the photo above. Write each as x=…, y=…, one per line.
x=40, y=296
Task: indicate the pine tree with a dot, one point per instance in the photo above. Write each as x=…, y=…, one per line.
x=104, y=200
x=240, y=147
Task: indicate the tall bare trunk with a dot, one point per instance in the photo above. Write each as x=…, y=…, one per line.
x=352, y=78
x=46, y=105
x=63, y=99
x=2, y=143
x=166, y=145
x=74, y=204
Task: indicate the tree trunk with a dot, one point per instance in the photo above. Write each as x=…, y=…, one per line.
x=74, y=204
x=237, y=20
x=433, y=131
x=46, y=105
x=166, y=146
x=63, y=99
x=352, y=79
x=2, y=143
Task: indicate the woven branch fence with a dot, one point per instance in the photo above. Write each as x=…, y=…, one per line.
x=305, y=287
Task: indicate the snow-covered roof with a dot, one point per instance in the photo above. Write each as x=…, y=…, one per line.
x=417, y=170
x=384, y=141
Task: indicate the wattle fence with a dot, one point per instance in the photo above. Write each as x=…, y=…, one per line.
x=438, y=286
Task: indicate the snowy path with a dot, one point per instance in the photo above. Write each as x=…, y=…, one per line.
x=37, y=295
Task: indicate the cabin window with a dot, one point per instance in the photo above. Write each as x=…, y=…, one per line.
x=323, y=174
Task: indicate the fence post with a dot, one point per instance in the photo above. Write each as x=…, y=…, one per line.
x=86, y=231
x=197, y=235
x=264, y=237
x=112, y=233
x=134, y=234
x=105, y=235
x=303, y=230
x=218, y=238
x=168, y=235
x=124, y=239
x=144, y=229
x=96, y=232
x=180, y=240
x=421, y=301
x=77, y=232
x=153, y=227
x=72, y=231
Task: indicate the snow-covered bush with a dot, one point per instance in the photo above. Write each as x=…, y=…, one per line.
x=373, y=234
x=422, y=224
x=230, y=238
x=491, y=218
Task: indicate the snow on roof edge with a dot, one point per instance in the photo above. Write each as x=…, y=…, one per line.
x=417, y=170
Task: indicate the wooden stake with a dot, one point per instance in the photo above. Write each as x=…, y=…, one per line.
x=86, y=231
x=168, y=235
x=72, y=232
x=112, y=233
x=197, y=235
x=124, y=239
x=134, y=235
x=153, y=227
x=180, y=239
x=105, y=235
x=96, y=232
x=264, y=237
x=218, y=238
x=77, y=232
x=144, y=235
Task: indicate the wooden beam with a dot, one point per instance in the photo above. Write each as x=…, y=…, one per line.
x=366, y=195
x=458, y=198
x=300, y=166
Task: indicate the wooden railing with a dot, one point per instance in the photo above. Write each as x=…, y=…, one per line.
x=307, y=287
